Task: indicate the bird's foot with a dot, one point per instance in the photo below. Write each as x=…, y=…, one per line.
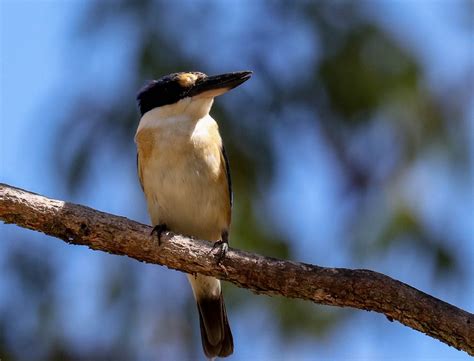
x=223, y=245
x=158, y=231
x=223, y=248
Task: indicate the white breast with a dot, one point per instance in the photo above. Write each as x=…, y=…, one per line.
x=182, y=170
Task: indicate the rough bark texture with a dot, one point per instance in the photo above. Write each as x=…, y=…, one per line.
x=363, y=289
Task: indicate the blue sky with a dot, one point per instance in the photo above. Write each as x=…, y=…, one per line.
x=34, y=38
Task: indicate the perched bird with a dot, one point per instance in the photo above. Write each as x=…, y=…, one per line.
x=184, y=173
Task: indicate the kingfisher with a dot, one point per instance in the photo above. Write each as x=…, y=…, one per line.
x=184, y=173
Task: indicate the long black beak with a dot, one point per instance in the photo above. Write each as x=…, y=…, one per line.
x=219, y=83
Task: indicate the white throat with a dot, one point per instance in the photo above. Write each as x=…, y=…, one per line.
x=185, y=112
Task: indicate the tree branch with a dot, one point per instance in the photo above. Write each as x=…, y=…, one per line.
x=362, y=289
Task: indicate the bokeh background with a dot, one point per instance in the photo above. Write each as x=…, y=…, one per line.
x=351, y=146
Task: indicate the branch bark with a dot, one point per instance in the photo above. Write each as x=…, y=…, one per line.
x=362, y=289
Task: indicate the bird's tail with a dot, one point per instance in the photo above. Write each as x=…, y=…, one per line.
x=215, y=331
x=216, y=335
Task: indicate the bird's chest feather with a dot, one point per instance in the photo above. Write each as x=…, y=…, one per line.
x=183, y=177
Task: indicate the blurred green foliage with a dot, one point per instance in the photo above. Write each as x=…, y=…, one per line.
x=356, y=77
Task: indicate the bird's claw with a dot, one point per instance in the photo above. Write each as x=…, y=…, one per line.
x=158, y=231
x=223, y=246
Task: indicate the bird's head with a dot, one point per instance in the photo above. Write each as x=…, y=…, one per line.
x=175, y=87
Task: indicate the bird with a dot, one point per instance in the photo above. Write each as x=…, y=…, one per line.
x=184, y=173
